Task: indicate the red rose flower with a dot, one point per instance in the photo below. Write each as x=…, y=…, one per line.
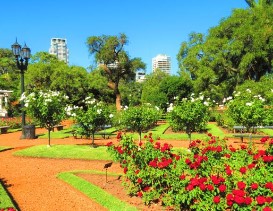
x=267, y=209
x=239, y=200
x=243, y=170
x=202, y=187
x=241, y=185
x=248, y=200
x=139, y=180
x=182, y=177
x=139, y=194
x=210, y=187
x=216, y=199
x=254, y=186
x=261, y=200
x=125, y=170
x=222, y=188
x=109, y=144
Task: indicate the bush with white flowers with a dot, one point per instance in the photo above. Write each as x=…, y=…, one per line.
x=46, y=107
x=189, y=115
x=139, y=118
x=91, y=118
x=249, y=110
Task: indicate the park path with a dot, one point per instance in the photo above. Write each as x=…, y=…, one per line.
x=32, y=182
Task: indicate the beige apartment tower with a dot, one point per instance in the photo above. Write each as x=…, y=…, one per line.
x=162, y=62
x=58, y=47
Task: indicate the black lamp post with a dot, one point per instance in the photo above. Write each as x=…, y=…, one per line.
x=22, y=56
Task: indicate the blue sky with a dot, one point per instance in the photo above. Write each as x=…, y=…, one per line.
x=152, y=26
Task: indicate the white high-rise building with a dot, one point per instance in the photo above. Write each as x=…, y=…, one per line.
x=162, y=62
x=58, y=47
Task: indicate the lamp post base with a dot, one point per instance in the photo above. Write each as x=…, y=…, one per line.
x=28, y=132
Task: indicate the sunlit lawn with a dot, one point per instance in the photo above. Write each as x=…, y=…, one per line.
x=66, y=151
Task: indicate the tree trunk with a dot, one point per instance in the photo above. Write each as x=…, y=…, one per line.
x=118, y=102
x=114, y=86
x=93, y=138
x=49, y=136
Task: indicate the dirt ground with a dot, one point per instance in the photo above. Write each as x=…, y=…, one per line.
x=33, y=184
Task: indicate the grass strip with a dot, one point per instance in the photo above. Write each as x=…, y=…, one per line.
x=84, y=152
x=5, y=200
x=215, y=131
x=267, y=131
x=94, y=192
x=160, y=129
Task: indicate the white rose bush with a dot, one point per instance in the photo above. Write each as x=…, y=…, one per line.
x=47, y=108
x=90, y=118
x=189, y=115
x=249, y=110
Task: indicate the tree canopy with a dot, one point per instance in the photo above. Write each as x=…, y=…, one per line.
x=240, y=48
x=114, y=60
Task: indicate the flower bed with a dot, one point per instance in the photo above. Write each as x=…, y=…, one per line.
x=210, y=176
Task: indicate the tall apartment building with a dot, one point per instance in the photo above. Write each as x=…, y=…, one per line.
x=163, y=62
x=58, y=47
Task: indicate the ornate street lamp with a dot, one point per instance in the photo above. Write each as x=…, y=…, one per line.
x=22, y=56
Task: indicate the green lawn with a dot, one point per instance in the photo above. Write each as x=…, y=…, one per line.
x=5, y=200
x=94, y=192
x=66, y=151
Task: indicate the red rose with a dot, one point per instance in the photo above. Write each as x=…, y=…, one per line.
x=210, y=187
x=254, y=186
x=202, y=187
x=248, y=200
x=139, y=180
x=216, y=199
x=241, y=185
x=239, y=199
x=182, y=177
x=109, y=144
x=222, y=188
x=243, y=170
x=139, y=194
x=261, y=200
x=125, y=170
x=267, y=209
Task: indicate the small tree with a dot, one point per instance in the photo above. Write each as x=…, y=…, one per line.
x=140, y=118
x=189, y=115
x=91, y=118
x=47, y=108
x=247, y=109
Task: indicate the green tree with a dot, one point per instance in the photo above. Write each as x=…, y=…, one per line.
x=39, y=75
x=91, y=118
x=139, y=118
x=176, y=87
x=73, y=81
x=240, y=48
x=10, y=79
x=189, y=115
x=47, y=108
x=151, y=92
x=259, y=3
x=114, y=60
x=131, y=93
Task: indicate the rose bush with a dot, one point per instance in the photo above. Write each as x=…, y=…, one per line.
x=90, y=118
x=46, y=107
x=213, y=176
x=249, y=110
x=139, y=118
x=189, y=115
